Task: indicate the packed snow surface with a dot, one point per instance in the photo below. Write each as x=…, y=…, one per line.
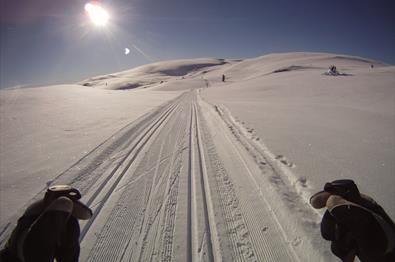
x=179, y=165
x=328, y=127
x=44, y=130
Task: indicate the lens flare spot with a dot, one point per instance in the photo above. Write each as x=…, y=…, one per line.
x=98, y=15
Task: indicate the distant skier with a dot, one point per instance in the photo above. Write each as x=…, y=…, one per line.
x=355, y=223
x=223, y=78
x=332, y=70
x=48, y=229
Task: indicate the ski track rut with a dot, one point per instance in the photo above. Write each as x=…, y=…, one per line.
x=161, y=189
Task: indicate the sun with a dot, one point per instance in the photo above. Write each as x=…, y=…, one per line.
x=98, y=15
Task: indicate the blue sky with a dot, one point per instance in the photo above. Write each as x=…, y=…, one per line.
x=52, y=41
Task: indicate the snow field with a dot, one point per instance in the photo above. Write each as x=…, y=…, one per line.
x=221, y=173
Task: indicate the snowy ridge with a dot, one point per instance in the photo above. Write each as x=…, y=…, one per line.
x=152, y=74
x=261, y=66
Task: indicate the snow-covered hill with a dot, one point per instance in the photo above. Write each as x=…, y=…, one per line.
x=279, y=111
x=153, y=74
x=329, y=127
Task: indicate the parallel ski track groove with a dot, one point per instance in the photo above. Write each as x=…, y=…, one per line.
x=189, y=203
x=75, y=172
x=209, y=217
x=130, y=223
x=147, y=135
x=146, y=227
x=235, y=221
x=155, y=124
x=133, y=219
x=147, y=213
x=171, y=200
x=123, y=141
x=265, y=248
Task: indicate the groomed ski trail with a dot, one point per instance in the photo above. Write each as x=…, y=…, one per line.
x=176, y=186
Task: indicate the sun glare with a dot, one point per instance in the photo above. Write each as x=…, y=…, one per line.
x=98, y=15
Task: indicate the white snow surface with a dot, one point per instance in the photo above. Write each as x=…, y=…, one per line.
x=279, y=110
x=44, y=130
x=329, y=127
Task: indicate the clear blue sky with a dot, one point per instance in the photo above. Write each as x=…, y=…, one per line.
x=52, y=41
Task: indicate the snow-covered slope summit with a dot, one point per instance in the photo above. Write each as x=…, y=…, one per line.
x=162, y=74
x=153, y=74
x=261, y=66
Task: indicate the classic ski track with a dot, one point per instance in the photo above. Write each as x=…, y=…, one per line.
x=146, y=220
x=300, y=218
x=125, y=163
x=141, y=222
x=132, y=216
x=133, y=185
x=145, y=229
x=172, y=189
x=114, y=151
x=164, y=215
x=166, y=211
x=264, y=248
x=191, y=203
x=86, y=171
x=211, y=234
x=236, y=227
x=194, y=161
x=153, y=127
